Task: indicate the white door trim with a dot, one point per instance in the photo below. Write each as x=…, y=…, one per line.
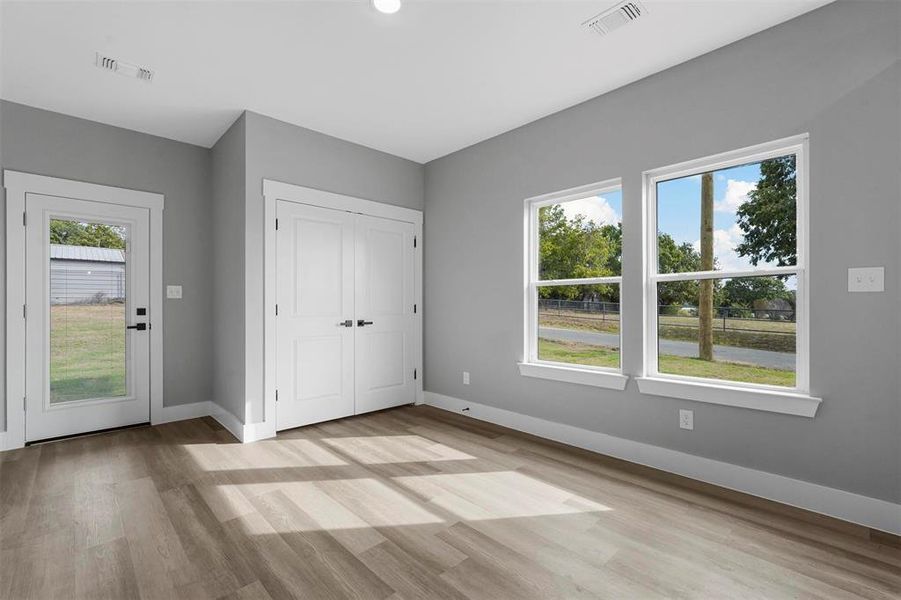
x=17, y=185
x=276, y=190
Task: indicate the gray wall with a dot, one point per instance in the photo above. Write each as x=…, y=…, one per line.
x=284, y=152
x=228, y=198
x=47, y=143
x=833, y=73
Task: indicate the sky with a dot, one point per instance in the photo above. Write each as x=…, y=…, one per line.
x=606, y=209
x=679, y=211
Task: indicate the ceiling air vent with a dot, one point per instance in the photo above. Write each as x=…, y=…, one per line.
x=614, y=18
x=114, y=65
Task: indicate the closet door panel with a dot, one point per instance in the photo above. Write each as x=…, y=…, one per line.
x=315, y=291
x=384, y=314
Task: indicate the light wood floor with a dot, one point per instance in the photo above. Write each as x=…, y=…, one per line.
x=409, y=503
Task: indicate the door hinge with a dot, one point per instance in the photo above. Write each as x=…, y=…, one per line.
x=25, y=311
x=24, y=403
x=414, y=374
x=276, y=395
x=414, y=241
x=276, y=310
x=414, y=309
x=24, y=219
x=276, y=224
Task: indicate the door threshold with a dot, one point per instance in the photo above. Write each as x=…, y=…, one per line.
x=85, y=434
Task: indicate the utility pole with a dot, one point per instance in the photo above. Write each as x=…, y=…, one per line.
x=705, y=295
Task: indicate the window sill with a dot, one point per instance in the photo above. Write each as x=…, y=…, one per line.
x=789, y=403
x=603, y=379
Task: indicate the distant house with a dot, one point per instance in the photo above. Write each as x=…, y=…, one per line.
x=775, y=309
x=85, y=275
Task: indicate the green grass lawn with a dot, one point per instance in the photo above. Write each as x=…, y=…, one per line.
x=568, y=320
x=87, y=352
x=729, y=371
x=600, y=356
x=579, y=354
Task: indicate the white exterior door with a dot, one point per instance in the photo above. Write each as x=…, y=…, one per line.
x=384, y=314
x=345, y=315
x=315, y=335
x=87, y=327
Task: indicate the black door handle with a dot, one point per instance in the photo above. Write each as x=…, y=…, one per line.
x=138, y=326
x=362, y=323
x=347, y=323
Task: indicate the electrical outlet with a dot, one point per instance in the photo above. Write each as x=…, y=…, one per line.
x=686, y=419
x=173, y=291
x=465, y=377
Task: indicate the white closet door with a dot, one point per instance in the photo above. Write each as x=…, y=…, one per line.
x=315, y=333
x=384, y=314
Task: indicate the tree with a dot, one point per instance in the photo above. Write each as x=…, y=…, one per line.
x=676, y=258
x=769, y=217
x=577, y=248
x=705, y=292
x=741, y=292
x=96, y=235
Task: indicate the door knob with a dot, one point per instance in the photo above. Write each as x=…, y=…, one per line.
x=347, y=323
x=362, y=323
x=138, y=326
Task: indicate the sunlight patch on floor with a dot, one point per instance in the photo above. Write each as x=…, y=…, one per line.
x=266, y=454
x=497, y=495
x=337, y=504
x=376, y=503
x=384, y=449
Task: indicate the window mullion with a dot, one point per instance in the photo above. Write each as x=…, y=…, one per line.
x=586, y=281
x=698, y=275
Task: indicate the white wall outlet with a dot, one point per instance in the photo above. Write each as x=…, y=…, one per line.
x=866, y=279
x=686, y=419
x=465, y=377
x=173, y=291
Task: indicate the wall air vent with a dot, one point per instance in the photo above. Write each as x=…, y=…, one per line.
x=615, y=17
x=114, y=65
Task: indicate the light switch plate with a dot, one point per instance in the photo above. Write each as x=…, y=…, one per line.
x=173, y=291
x=465, y=377
x=866, y=279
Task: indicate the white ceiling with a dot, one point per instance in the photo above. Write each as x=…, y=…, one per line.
x=435, y=77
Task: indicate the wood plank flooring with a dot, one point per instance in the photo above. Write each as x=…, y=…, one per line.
x=408, y=503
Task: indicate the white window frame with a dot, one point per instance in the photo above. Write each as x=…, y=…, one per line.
x=797, y=400
x=531, y=365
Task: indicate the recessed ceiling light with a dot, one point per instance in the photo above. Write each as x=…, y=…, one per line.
x=389, y=7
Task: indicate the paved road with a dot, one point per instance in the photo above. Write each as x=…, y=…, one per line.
x=764, y=358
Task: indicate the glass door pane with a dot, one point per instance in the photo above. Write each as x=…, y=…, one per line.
x=88, y=355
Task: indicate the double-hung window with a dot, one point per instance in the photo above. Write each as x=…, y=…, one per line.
x=573, y=279
x=726, y=285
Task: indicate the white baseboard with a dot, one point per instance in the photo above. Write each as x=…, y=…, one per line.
x=228, y=420
x=180, y=412
x=847, y=506
x=258, y=431
x=243, y=432
x=167, y=414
